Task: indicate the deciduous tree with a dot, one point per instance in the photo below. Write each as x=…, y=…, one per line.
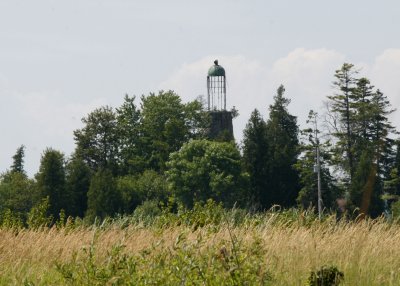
x=203, y=170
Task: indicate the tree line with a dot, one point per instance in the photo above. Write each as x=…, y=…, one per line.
x=160, y=151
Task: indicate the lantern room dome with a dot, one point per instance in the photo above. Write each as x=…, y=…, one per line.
x=216, y=70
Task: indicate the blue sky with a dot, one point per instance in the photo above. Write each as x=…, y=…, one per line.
x=61, y=59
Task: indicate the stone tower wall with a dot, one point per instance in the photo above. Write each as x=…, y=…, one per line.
x=221, y=125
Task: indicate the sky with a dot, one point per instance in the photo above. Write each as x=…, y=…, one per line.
x=61, y=59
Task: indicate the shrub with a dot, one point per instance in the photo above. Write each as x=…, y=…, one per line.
x=147, y=212
x=11, y=220
x=185, y=263
x=38, y=216
x=326, y=276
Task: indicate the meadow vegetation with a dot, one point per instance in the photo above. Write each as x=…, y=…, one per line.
x=206, y=245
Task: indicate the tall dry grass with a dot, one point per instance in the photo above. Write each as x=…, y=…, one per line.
x=368, y=252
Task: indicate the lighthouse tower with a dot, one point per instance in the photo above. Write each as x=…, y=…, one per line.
x=221, y=127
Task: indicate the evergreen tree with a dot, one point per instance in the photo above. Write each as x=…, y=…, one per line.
x=78, y=177
x=382, y=131
x=128, y=119
x=18, y=160
x=380, y=153
x=51, y=181
x=392, y=182
x=103, y=197
x=363, y=137
x=362, y=97
x=256, y=157
x=342, y=105
x=282, y=132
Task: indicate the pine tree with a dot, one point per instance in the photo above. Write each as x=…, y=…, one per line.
x=392, y=182
x=103, y=197
x=78, y=177
x=282, y=133
x=381, y=155
x=255, y=158
x=363, y=95
x=18, y=160
x=51, y=180
x=363, y=148
x=342, y=105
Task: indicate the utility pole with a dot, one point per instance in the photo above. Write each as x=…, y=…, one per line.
x=318, y=165
x=313, y=118
x=319, y=182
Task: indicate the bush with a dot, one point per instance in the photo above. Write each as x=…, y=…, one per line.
x=11, y=220
x=38, y=216
x=185, y=263
x=147, y=212
x=326, y=276
x=148, y=186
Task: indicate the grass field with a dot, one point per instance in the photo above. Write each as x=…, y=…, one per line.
x=202, y=249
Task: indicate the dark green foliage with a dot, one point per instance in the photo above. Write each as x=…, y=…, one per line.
x=204, y=170
x=51, y=181
x=147, y=212
x=308, y=196
x=166, y=124
x=326, y=276
x=163, y=126
x=129, y=131
x=103, y=196
x=17, y=193
x=364, y=147
x=40, y=216
x=392, y=183
x=395, y=209
x=270, y=151
x=343, y=113
x=256, y=157
x=282, y=132
x=78, y=177
x=136, y=189
x=18, y=160
x=97, y=142
x=197, y=119
x=365, y=190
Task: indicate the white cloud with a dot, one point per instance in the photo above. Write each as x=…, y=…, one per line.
x=306, y=74
x=385, y=75
x=251, y=84
x=38, y=120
